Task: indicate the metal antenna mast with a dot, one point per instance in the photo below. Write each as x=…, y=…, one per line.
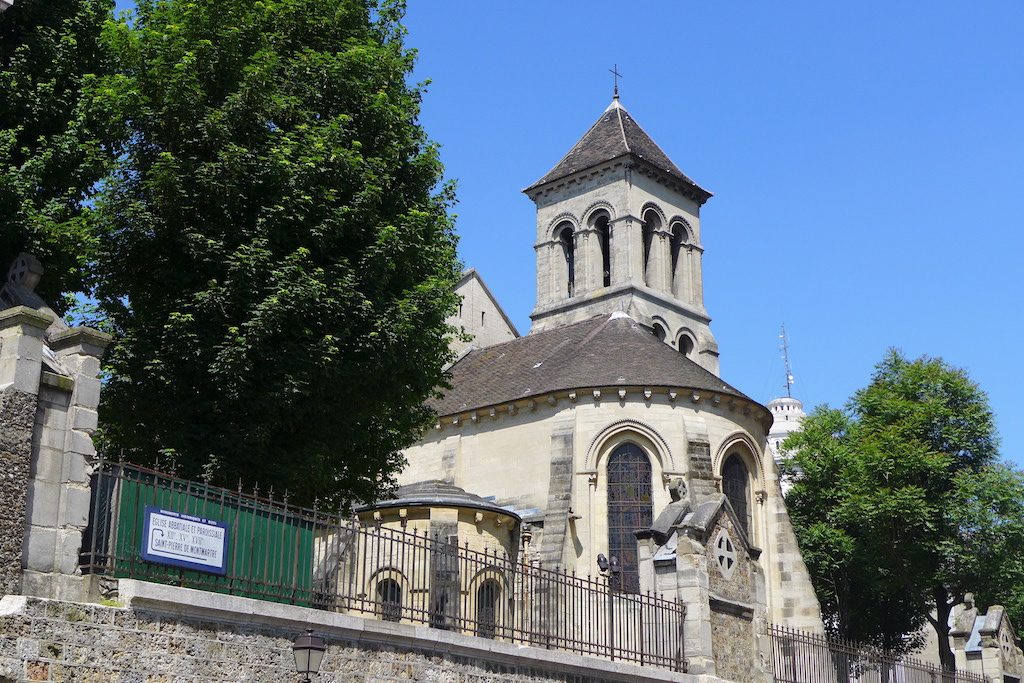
x=785, y=357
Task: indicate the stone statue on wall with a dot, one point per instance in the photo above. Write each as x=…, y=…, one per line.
x=19, y=290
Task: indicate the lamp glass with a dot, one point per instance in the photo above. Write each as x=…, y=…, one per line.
x=308, y=651
x=301, y=659
x=316, y=657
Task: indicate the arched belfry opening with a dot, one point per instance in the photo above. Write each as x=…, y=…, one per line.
x=686, y=345
x=736, y=487
x=566, y=240
x=630, y=493
x=682, y=269
x=618, y=208
x=652, y=224
x=602, y=226
x=680, y=238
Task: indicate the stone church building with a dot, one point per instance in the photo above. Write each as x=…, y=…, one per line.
x=607, y=428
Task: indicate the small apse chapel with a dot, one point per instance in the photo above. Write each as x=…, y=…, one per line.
x=607, y=429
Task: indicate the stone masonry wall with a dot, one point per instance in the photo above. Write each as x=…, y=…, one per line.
x=740, y=586
x=702, y=477
x=191, y=642
x=734, y=647
x=17, y=414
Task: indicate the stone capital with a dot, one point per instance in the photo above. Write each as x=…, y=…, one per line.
x=24, y=317
x=80, y=341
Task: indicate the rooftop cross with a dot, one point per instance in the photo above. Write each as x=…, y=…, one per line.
x=615, y=79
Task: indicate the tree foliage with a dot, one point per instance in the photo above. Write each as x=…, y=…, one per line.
x=901, y=507
x=277, y=258
x=53, y=126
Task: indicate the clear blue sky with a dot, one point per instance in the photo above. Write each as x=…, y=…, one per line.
x=867, y=162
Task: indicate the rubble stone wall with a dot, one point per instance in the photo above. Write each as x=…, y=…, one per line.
x=176, y=635
x=17, y=415
x=734, y=647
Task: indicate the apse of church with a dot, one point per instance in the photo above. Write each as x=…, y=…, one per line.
x=607, y=429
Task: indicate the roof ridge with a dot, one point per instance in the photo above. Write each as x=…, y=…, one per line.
x=622, y=129
x=492, y=347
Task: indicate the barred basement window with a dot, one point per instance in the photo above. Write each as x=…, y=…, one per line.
x=389, y=600
x=629, y=510
x=487, y=596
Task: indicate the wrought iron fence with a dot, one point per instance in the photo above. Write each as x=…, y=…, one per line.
x=801, y=657
x=317, y=559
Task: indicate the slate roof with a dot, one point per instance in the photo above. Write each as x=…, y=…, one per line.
x=615, y=134
x=437, y=493
x=598, y=352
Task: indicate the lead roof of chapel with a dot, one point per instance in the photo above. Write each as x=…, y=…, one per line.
x=438, y=493
x=602, y=351
x=613, y=135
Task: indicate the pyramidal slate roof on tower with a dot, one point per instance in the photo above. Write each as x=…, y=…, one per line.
x=615, y=134
x=601, y=351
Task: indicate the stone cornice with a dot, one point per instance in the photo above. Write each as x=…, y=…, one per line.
x=611, y=165
x=23, y=315
x=653, y=295
x=629, y=162
x=686, y=396
x=80, y=336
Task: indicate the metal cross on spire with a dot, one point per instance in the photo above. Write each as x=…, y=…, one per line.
x=615, y=79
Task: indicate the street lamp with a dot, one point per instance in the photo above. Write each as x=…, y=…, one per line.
x=309, y=653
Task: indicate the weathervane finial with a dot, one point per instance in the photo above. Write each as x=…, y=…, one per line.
x=615, y=79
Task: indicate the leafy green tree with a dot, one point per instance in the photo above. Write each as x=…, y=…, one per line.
x=901, y=507
x=277, y=260
x=52, y=132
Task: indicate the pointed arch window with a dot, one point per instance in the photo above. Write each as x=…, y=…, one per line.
x=629, y=510
x=736, y=487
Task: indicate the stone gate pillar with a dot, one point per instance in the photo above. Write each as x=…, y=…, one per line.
x=21, y=355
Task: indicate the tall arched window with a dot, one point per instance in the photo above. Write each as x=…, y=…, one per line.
x=629, y=510
x=565, y=238
x=487, y=596
x=652, y=223
x=389, y=600
x=601, y=225
x=680, y=238
x=736, y=487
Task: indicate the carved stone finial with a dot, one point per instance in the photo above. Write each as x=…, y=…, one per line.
x=25, y=271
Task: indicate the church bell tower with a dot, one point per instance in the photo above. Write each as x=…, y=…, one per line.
x=618, y=229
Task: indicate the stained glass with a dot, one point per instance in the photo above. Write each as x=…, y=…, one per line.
x=735, y=481
x=629, y=510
